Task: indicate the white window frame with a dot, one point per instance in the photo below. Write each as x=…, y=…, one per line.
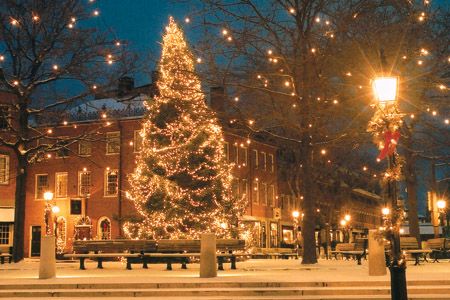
x=106, y=183
x=6, y=170
x=245, y=150
x=110, y=136
x=88, y=145
x=271, y=192
x=264, y=193
x=255, y=158
x=7, y=234
x=264, y=157
x=136, y=138
x=36, y=186
x=80, y=173
x=226, y=147
x=272, y=163
x=57, y=191
x=255, y=189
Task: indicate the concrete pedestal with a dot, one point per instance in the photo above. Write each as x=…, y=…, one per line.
x=208, y=257
x=47, y=264
x=377, y=262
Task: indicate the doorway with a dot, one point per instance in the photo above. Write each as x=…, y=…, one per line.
x=35, y=241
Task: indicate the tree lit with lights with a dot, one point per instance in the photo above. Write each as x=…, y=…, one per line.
x=181, y=184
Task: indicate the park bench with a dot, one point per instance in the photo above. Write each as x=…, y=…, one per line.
x=5, y=253
x=359, y=250
x=410, y=246
x=340, y=248
x=283, y=253
x=101, y=250
x=439, y=249
x=182, y=251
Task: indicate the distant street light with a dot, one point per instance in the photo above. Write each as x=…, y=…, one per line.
x=442, y=205
x=385, y=88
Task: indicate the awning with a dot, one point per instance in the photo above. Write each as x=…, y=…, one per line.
x=6, y=214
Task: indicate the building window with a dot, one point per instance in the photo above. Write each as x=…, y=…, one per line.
x=63, y=151
x=137, y=141
x=235, y=188
x=255, y=158
x=271, y=163
x=226, y=151
x=244, y=189
x=104, y=228
x=61, y=185
x=5, y=233
x=41, y=185
x=111, y=182
x=255, y=192
x=84, y=183
x=243, y=156
x=264, y=160
x=235, y=154
x=84, y=148
x=271, y=195
x=112, y=142
x=263, y=193
x=4, y=169
x=4, y=117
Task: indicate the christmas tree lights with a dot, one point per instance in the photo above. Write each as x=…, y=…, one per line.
x=181, y=186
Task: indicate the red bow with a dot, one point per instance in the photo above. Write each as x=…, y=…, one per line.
x=390, y=142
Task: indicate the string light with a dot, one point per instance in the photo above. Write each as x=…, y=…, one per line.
x=16, y=82
x=420, y=62
x=187, y=20
x=2, y=57
x=224, y=32
x=55, y=67
x=96, y=13
x=292, y=10
x=199, y=60
x=317, y=20
x=323, y=151
x=14, y=22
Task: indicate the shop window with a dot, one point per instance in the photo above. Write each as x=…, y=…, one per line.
x=5, y=233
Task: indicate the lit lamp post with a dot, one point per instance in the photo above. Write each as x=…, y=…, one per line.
x=442, y=204
x=295, y=216
x=385, y=91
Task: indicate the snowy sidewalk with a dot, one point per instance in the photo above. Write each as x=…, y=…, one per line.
x=263, y=270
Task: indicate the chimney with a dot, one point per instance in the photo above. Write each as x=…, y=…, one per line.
x=126, y=84
x=217, y=98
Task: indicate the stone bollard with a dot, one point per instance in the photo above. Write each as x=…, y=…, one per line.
x=377, y=262
x=47, y=263
x=208, y=257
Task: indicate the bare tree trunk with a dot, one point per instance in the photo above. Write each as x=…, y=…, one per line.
x=19, y=210
x=411, y=185
x=309, y=225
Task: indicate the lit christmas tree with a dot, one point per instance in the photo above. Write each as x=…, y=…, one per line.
x=181, y=185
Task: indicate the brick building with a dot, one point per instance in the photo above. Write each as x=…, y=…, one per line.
x=89, y=177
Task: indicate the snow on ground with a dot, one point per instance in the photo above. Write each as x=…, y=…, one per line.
x=248, y=271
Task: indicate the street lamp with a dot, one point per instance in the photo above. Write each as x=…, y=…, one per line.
x=295, y=216
x=345, y=228
x=385, y=89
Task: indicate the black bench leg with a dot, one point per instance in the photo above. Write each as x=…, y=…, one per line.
x=417, y=257
x=144, y=263
x=128, y=263
x=2, y=259
x=10, y=259
x=99, y=263
x=233, y=262
x=169, y=265
x=184, y=264
x=358, y=257
x=220, y=263
x=82, y=267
